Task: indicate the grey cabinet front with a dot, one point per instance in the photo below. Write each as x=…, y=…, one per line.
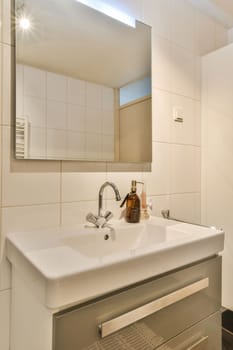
x=206, y=335
x=144, y=316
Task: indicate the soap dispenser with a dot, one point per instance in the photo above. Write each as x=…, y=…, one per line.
x=133, y=206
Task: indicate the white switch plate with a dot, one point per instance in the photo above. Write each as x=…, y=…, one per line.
x=178, y=114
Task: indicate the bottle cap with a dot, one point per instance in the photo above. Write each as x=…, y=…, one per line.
x=133, y=185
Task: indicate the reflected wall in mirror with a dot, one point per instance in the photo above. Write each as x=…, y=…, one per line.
x=83, y=84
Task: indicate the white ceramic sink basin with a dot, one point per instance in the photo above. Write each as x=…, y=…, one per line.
x=95, y=243
x=66, y=266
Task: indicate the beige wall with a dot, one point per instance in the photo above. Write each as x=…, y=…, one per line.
x=38, y=194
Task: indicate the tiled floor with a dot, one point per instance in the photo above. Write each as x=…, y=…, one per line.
x=227, y=330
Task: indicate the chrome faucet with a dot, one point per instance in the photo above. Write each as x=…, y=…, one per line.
x=101, y=219
x=116, y=191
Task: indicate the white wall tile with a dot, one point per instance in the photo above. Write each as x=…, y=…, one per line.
x=161, y=63
x=75, y=145
x=34, y=82
x=158, y=181
x=19, y=80
x=185, y=169
x=56, y=144
x=108, y=147
x=205, y=34
x=123, y=182
x=37, y=143
x=108, y=122
x=107, y=98
x=75, y=213
x=19, y=106
x=1, y=80
x=189, y=131
x=93, y=119
x=186, y=207
x=76, y=91
x=56, y=87
x=76, y=119
x=33, y=217
x=7, y=80
x=1, y=17
x=35, y=109
x=159, y=203
x=5, y=269
x=197, y=78
x=93, y=146
x=158, y=14
x=94, y=95
x=5, y=320
x=183, y=71
x=0, y=175
x=56, y=115
x=5, y=28
x=183, y=24
x=23, y=181
x=20, y=219
x=114, y=206
x=162, y=106
x=80, y=186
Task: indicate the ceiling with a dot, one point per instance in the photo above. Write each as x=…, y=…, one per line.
x=221, y=10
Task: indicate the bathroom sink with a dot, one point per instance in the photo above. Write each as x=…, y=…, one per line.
x=66, y=266
x=99, y=243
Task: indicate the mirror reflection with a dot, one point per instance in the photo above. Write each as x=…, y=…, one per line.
x=83, y=84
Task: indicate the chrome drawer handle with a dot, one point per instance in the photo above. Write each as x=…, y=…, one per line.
x=199, y=345
x=141, y=312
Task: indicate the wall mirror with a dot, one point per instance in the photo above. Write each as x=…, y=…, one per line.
x=83, y=84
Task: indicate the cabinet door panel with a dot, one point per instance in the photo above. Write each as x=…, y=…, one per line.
x=144, y=316
x=206, y=335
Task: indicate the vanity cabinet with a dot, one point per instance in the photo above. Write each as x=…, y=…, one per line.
x=176, y=311
x=206, y=335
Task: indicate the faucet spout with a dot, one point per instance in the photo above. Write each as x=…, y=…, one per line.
x=116, y=191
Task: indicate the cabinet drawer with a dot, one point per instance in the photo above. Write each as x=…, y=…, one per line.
x=206, y=335
x=143, y=316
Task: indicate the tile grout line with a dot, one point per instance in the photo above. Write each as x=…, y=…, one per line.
x=93, y=200
x=177, y=94
x=178, y=144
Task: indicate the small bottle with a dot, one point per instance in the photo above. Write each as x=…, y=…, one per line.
x=144, y=212
x=133, y=206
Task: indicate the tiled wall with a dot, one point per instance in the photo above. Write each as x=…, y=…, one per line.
x=68, y=118
x=38, y=194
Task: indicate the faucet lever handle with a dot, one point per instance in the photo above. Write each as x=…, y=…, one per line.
x=108, y=215
x=91, y=218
